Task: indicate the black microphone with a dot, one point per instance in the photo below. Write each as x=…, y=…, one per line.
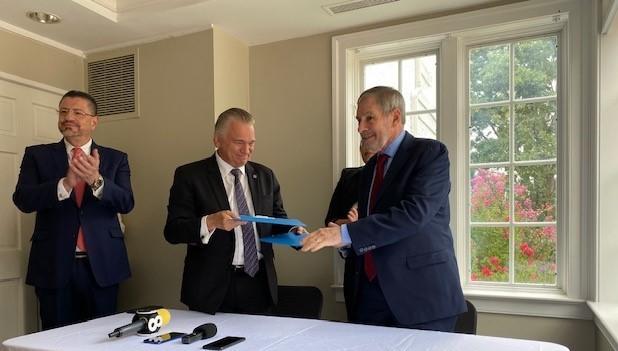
x=144, y=322
x=204, y=331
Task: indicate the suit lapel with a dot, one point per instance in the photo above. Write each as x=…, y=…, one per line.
x=252, y=179
x=399, y=160
x=61, y=159
x=213, y=177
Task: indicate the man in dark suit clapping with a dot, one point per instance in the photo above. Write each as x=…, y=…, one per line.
x=77, y=188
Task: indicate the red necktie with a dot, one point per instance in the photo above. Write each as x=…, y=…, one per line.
x=79, y=196
x=378, y=178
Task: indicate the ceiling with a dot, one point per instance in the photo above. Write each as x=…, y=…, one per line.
x=91, y=25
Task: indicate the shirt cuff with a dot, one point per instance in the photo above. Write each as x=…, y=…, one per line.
x=99, y=192
x=63, y=194
x=345, y=236
x=205, y=234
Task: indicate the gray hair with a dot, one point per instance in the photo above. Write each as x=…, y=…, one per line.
x=387, y=98
x=233, y=113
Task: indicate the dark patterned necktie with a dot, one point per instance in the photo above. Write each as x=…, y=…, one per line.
x=248, y=235
x=79, y=189
x=378, y=179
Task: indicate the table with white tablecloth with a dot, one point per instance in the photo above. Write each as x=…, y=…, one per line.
x=266, y=333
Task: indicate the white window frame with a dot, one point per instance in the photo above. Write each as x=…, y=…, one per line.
x=452, y=35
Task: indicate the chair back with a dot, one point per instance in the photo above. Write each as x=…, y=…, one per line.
x=299, y=301
x=466, y=322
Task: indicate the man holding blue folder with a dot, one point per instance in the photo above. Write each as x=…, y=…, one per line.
x=227, y=268
x=401, y=269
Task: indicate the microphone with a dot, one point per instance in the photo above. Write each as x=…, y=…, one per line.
x=144, y=322
x=204, y=331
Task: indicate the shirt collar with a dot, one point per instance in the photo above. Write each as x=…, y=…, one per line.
x=392, y=148
x=86, y=148
x=226, y=168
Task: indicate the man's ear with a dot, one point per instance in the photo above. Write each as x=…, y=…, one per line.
x=95, y=122
x=396, y=116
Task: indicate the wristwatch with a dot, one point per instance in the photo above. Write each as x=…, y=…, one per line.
x=97, y=184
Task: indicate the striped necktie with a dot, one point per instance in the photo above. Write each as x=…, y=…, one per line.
x=248, y=234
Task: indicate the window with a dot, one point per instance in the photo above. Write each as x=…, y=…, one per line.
x=415, y=77
x=513, y=168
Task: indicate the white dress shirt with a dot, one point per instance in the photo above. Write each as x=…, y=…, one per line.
x=228, y=182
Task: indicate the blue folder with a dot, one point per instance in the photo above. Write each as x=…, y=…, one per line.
x=272, y=220
x=289, y=239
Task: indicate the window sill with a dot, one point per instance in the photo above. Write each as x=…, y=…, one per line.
x=553, y=305
x=606, y=319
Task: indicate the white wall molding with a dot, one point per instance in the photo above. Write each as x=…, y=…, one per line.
x=20, y=31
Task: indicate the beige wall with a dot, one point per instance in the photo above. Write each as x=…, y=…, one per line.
x=231, y=72
x=601, y=342
x=577, y=335
x=36, y=61
x=291, y=100
x=175, y=127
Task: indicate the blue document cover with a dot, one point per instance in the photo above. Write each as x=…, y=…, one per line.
x=272, y=220
x=289, y=239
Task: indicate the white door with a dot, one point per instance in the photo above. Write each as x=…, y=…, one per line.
x=27, y=116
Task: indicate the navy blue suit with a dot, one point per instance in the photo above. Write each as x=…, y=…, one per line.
x=52, y=256
x=408, y=233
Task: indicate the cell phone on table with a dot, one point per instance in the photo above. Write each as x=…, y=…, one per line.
x=223, y=343
x=160, y=339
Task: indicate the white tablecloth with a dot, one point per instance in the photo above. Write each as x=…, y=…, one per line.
x=266, y=333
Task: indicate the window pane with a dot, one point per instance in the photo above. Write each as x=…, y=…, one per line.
x=489, y=74
x=536, y=67
x=384, y=73
x=535, y=131
x=490, y=254
x=535, y=193
x=419, y=83
x=489, y=134
x=489, y=195
x=535, y=255
x=422, y=126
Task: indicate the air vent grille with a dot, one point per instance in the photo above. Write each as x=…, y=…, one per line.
x=348, y=6
x=112, y=83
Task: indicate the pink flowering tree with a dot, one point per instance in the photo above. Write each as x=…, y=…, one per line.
x=535, y=245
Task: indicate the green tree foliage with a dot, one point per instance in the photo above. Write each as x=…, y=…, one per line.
x=497, y=109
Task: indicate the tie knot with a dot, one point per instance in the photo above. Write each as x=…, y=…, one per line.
x=382, y=158
x=236, y=172
x=76, y=151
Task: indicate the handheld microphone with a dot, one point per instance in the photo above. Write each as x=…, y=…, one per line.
x=204, y=331
x=144, y=322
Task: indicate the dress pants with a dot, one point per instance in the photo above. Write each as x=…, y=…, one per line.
x=246, y=294
x=372, y=309
x=80, y=300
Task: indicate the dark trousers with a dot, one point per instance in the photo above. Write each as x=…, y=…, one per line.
x=372, y=309
x=80, y=300
x=247, y=294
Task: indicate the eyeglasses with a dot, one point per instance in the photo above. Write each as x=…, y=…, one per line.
x=63, y=112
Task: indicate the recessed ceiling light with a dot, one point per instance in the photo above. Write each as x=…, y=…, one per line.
x=43, y=17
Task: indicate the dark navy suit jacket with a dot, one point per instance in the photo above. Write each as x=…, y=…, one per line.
x=409, y=235
x=198, y=190
x=57, y=222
